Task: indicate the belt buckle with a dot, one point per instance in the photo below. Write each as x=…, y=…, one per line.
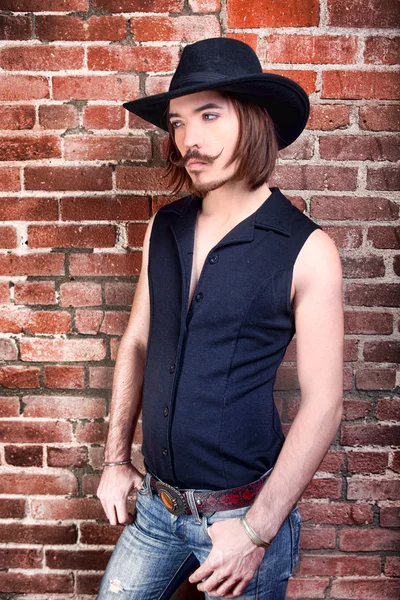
x=172, y=499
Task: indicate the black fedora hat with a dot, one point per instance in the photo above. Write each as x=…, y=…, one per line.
x=231, y=66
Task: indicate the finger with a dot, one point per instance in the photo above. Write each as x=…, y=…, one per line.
x=238, y=589
x=122, y=513
x=201, y=572
x=213, y=583
x=226, y=587
x=111, y=516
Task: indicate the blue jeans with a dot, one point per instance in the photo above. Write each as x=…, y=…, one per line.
x=156, y=545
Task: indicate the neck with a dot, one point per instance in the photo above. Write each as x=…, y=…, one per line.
x=232, y=202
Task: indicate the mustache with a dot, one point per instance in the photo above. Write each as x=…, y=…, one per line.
x=182, y=161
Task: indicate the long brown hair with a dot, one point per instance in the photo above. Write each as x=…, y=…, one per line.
x=256, y=148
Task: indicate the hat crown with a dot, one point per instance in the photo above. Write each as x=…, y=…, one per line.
x=215, y=58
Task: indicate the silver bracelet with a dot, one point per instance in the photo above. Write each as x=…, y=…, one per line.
x=252, y=534
x=113, y=464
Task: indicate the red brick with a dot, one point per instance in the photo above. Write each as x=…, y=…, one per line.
x=395, y=465
x=104, y=117
x=21, y=431
x=23, y=87
x=360, y=85
x=93, y=533
x=328, y=117
x=37, y=534
x=70, y=28
x=317, y=538
x=9, y=406
x=119, y=293
x=64, y=407
x=132, y=58
x=16, y=117
x=341, y=208
x=392, y=566
x=154, y=85
x=112, y=265
x=315, y=177
x=90, y=484
x=336, y=513
x=369, y=434
x=34, y=292
x=367, y=462
x=4, y=292
x=382, y=351
x=29, y=209
x=23, y=483
x=75, y=293
x=139, y=5
x=290, y=14
x=371, y=323
x=70, y=508
x=382, y=50
x=204, y=5
x=381, y=294
x=384, y=117
x=101, y=377
x=375, y=379
x=307, y=589
x=116, y=87
x=12, y=508
x=20, y=558
x=389, y=516
x=318, y=49
x=160, y=28
x=41, y=58
x=87, y=583
x=64, y=377
x=71, y=236
x=24, y=456
x=51, y=6
x=67, y=457
x=248, y=38
x=119, y=208
x=63, y=116
x=141, y=178
x=15, y=27
x=62, y=350
x=89, y=321
x=371, y=539
x=366, y=589
x=337, y=565
x=383, y=178
x=10, y=177
x=359, y=147
x=92, y=433
x=32, y=264
x=68, y=178
x=373, y=489
x=363, y=267
x=107, y=148
x=388, y=408
x=377, y=13
x=81, y=560
x=8, y=348
x=8, y=235
x=19, y=377
x=38, y=583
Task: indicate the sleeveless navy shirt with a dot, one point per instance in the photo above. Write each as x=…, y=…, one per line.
x=208, y=412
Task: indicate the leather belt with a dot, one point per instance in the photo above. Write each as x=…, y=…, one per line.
x=176, y=501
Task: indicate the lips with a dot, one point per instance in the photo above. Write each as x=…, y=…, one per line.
x=195, y=163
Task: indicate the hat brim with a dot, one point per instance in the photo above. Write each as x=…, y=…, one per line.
x=286, y=102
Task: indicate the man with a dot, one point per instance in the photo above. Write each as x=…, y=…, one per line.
x=229, y=274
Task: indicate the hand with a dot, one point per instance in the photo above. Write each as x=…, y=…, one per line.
x=115, y=485
x=232, y=562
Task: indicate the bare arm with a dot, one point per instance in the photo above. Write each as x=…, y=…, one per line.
x=318, y=311
x=117, y=482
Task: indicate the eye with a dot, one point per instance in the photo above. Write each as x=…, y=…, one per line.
x=212, y=115
x=175, y=124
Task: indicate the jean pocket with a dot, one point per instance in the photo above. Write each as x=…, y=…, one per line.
x=295, y=527
x=144, y=489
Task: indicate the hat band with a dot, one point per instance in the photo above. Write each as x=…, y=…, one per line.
x=196, y=78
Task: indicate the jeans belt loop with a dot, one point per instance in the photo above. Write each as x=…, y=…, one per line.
x=147, y=485
x=192, y=506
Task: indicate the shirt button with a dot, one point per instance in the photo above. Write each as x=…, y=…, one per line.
x=199, y=297
x=166, y=411
x=213, y=259
x=172, y=368
x=165, y=452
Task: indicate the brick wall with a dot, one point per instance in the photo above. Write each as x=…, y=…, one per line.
x=79, y=179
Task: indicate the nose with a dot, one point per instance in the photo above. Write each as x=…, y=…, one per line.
x=192, y=136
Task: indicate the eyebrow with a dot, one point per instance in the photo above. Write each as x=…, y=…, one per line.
x=199, y=109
